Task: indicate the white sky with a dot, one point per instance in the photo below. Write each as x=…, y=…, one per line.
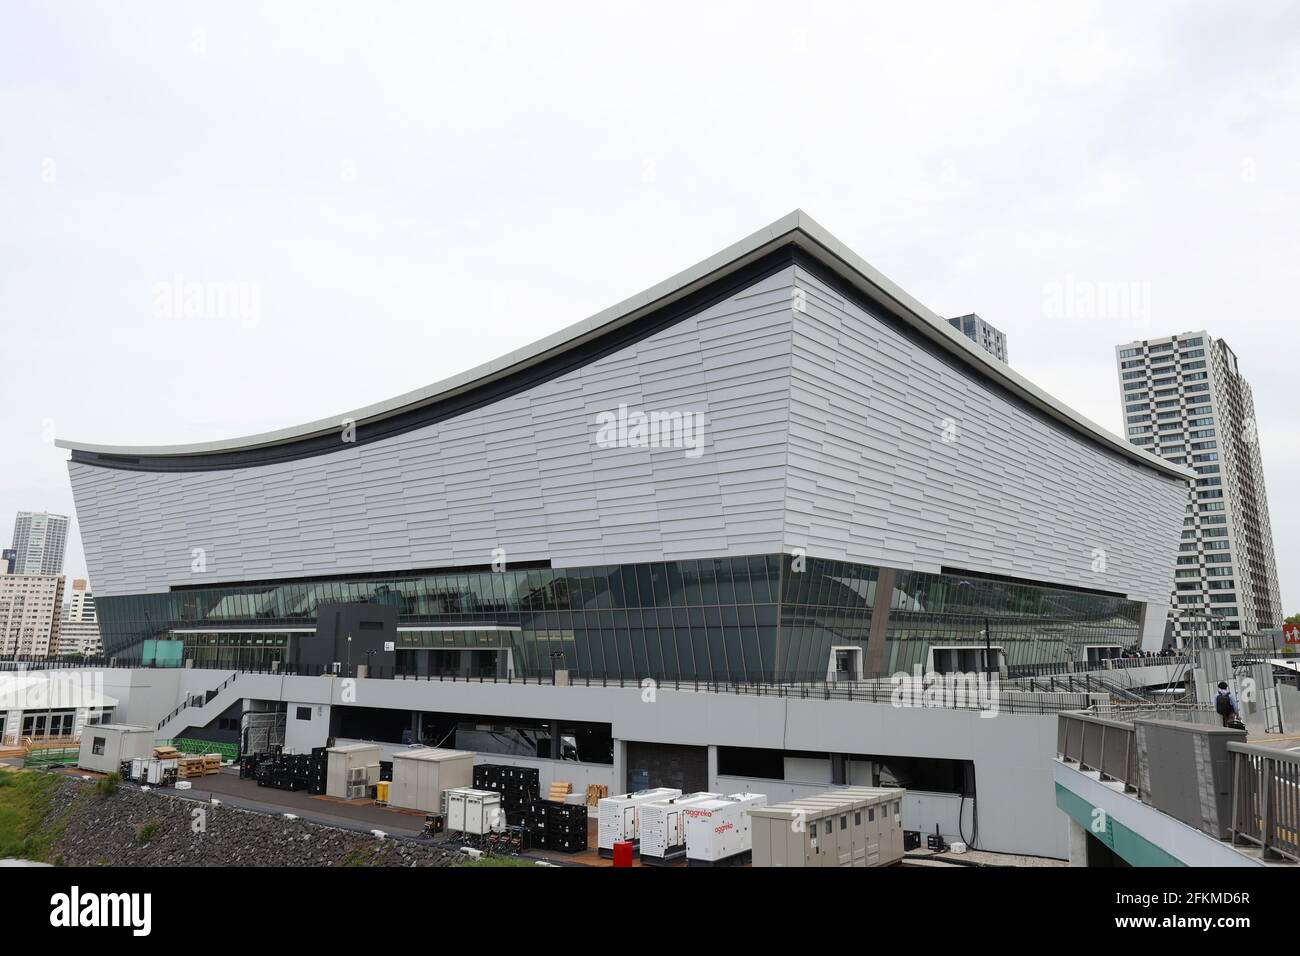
x=415, y=189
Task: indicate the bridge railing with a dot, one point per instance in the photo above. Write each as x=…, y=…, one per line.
x=1266, y=799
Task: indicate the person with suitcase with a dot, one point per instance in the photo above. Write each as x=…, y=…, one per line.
x=1225, y=705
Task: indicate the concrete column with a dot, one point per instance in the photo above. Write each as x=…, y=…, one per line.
x=874, y=659
x=1078, y=844
x=620, y=765
x=839, y=769
x=712, y=784
x=10, y=724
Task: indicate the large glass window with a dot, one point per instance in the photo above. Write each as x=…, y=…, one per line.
x=750, y=618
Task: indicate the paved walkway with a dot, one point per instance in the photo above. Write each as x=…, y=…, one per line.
x=359, y=815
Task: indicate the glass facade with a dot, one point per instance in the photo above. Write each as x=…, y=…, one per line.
x=1033, y=625
x=767, y=617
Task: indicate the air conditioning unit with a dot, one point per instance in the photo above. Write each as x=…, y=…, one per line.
x=356, y=792
x=356, y=776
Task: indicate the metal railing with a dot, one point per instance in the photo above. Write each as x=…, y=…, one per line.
x=1014, y=697
x=1191, y=713
x=1266, y=799
x=1108, y=747
x=1264, y=782
x=1063, y=668
x=882, y=690
x=202, y=699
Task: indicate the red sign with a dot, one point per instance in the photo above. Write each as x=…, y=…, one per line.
x=1292, y=633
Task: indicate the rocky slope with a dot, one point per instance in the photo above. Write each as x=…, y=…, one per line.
x=136, y=828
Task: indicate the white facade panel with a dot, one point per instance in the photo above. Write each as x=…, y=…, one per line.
x=525, y=474
x=899, y=458
x=824, y=430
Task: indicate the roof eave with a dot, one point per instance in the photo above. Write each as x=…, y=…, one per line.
x=797, y=227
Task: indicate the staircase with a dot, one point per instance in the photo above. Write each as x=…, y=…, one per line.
x=199, y=711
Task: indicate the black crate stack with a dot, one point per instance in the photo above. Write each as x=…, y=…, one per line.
x=554, y=826
x=317, y=767
x=535, y=823
x=289, y=771
x=566, y=827
x=519, y=788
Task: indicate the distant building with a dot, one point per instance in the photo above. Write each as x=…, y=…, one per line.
x=79, y=631
x=1186, y=400
x=30, y=606
x=8, y=558
x=982, y=334
x=40, y=539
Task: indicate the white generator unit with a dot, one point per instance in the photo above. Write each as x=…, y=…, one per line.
x=155, y=770
x=719, y=832
x=663, y=827
x=619, y=818
x=473, y=811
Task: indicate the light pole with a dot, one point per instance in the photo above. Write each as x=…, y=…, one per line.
x=988, y=649
x=1191, y=615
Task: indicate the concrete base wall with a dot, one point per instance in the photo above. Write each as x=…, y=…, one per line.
x=302, y=735
x=1013, y=754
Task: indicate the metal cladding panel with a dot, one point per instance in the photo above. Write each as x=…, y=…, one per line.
x=824, y=430
x=525, y=474
x=900, y=458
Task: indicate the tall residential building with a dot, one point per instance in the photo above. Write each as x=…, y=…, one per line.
x=30, y=606
x=1186, y=400
x=79, y=631
x=982, y=334
x=39, y=540
x=8, y=558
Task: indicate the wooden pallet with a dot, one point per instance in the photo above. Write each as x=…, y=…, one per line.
x=189, y=767
x=167, y=753
x=559, y=790
x=596, y=791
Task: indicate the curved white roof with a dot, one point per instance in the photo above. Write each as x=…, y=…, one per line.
x=795, y=228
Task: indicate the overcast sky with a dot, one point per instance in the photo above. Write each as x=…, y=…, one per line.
x=406, y=191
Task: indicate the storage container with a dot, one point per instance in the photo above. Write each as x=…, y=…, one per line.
x=105, y=747
x=852, y=826
x=421, y=775
x=346, y=768
x=474, y=811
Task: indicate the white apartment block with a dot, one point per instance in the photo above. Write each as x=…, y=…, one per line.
x=1186, y=400
x=40, y=540
x=986, y=336
x=30, y=606
x=79, y=630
